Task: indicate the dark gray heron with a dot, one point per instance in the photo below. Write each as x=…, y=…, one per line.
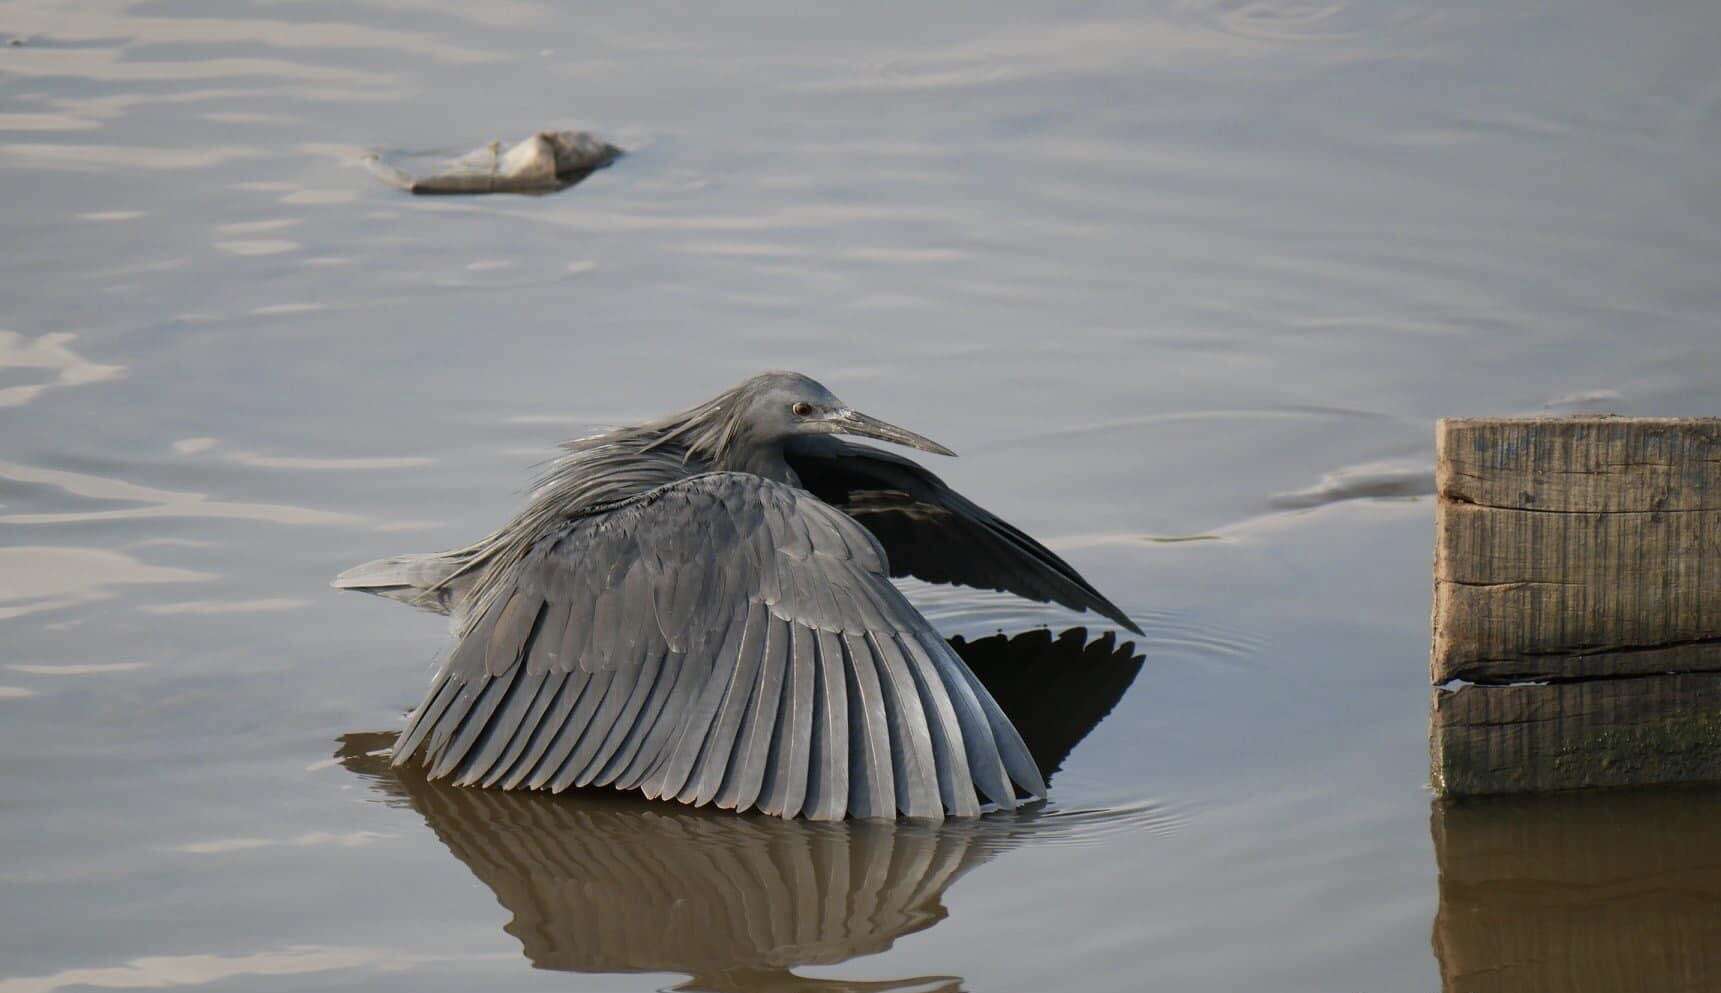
x=700, y=608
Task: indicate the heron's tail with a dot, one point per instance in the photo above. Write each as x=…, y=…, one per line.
x=424, y=581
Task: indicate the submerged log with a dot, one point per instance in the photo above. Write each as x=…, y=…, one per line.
x=1581, y=558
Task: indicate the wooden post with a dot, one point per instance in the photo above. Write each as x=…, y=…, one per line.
x=1577, y=603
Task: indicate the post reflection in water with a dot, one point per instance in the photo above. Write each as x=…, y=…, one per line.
x=605, y=882
x=1582, y=892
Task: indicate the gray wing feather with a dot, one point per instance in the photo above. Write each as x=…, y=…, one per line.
x=696, y=705
x=552, y=630
x=616, y=770
x=553, y=719
x=639, y=631
x=985, y=764
x=950, y=758
x=572, y=730
x=476, y=720
x=626, y=721
x=578, y=630
x=872, y=787
x=454, y=718
x=555, y=725
x=912, y=756
x=687, y=586
x=606, y=621
x=645, y=772
x=507, y=640
x=429, y=713
x=505, y=727
x=473, y=757
x=719, y=639
x=638, y=753
x=513, y=632
x=786, y=769
x=1011, y=748
x=716, y=751
x=460, y=678
x=744, y=776
x=531, y=727
x=797, y=716
x=828, y=768
x=597, y=729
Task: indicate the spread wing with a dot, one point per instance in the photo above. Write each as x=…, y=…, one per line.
x=720, y=639
x=934, y=533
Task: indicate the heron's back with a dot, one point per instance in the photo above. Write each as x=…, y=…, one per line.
x=593, y=473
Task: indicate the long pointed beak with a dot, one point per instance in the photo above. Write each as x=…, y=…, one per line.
x=856, y=423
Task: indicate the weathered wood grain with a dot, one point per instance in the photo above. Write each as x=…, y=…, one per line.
x=1579, y=892
x=1527, y=595
x=1560, y=736
x=1589, y=463
x=1577, y=586
x=1571, y=547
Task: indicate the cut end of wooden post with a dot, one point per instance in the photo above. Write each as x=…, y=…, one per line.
x=1577, y=598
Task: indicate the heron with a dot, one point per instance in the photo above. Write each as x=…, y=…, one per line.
x=700, y=608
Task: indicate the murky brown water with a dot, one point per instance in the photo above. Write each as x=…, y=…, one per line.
x=1187, y=285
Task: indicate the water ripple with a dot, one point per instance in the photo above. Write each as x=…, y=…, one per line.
x=49, y=354
x=1394, y=479
x=1088, y=826
x=34, y=579
x=76, y=668
x=174, y=971
x=150, y=502
x=1280, y=22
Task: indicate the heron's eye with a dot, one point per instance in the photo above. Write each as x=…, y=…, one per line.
x=801, y=409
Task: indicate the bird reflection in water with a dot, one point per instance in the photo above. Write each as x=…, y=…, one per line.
x=604, y=882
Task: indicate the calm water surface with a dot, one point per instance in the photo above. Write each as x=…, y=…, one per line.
x=1199, y=269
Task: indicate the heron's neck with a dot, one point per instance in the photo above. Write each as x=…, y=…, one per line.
x=761, y=459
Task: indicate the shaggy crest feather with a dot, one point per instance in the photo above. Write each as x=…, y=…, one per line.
x=707, y=431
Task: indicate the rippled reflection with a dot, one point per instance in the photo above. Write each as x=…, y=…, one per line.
x=147, y=501
x=59, y=365
x=1597, y=892
x=38, y=578
x=1398, y=478
x=605, y=882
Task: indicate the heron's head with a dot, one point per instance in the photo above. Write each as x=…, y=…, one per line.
x=784, y=405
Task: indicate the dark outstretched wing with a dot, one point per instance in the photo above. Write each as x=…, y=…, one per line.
x=720, y=639
x=932, y=532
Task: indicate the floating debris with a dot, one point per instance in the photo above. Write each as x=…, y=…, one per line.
x=547, y=162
